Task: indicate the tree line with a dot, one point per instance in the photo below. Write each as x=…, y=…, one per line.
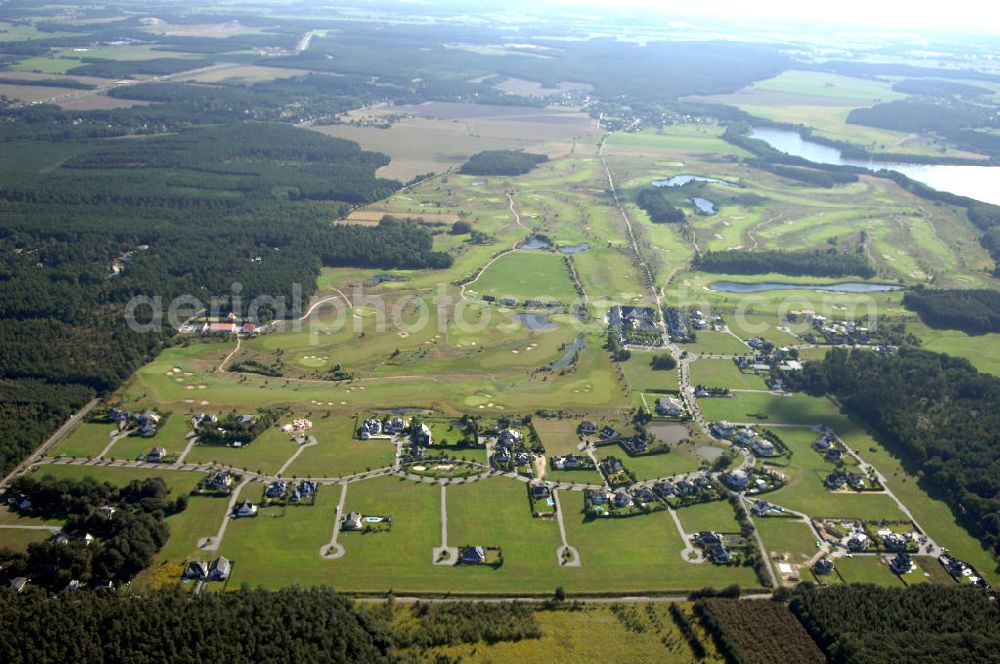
x=501, y=162
x=972, y=311
x=831, y=263
x=656, y=202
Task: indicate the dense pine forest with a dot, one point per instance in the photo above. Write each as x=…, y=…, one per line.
x=972, y=311
x=502, y=162
x=657, y=205
x=794, y=263
x=938, y=413
x=864, y=624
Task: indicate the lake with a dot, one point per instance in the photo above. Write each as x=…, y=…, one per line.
x=979, y=182
x=681, y=180
x=704, y=205
x=757, y=287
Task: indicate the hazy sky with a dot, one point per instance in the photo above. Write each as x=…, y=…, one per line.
x=977, y=15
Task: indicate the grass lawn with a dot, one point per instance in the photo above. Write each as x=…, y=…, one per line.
x=710, y=342
x=18, y=539
x=866, y=569
x=724, y=373
x=978, y=349
x=765, y=408
x=641, y=376
x=680, y=459
x=574, y=476
x=558, y=437
x=344, y=456
x=265, y=454
x=717, y=515
x=170, y=436
x=786, y=536
x=179, y=482
x=201, y=519
x=11, y=518
x=86, y=440
x=527, y=274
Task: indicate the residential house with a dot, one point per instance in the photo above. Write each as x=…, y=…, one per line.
x=835, y=481
x=276, y=489
x=219, y=569
x=509, y=437
x=736, y=479
x=834, y=455
x=196, y=569
x=643, y=495
x=622, y=498
x=597, y=496
x=722, y=429
x=857, y=481
x=685, y=488
x=763, y=447
x=219, y=481
x=473, y=555
x=20, y=501
x=720, y=555
x=244, y=509
x=823, y=567
x=633, y=445
x=118, y=415
x=200, y=419
x=245, y=420
x=568, y=462
x=156, y=455
x=760, y=507
x=707, y=538
x=700, y=391
x=394, y=425
x=746, y=437
x=669, y=407
x=608, y=433
x=370, y=428
x=894, y=541
x=221, y=328
x=148, y=422
x=352, y=521
x=540, y=491
x=422, y=435
x=823, y=443
x=307, y=488
x=106, y=511
x=612, y=465
x=665, y=488
x=702, y=482
x=902, y=563
x=522, y=459
x=858, y=541
x=586, y=428
x=17, y=584
x=501, y=455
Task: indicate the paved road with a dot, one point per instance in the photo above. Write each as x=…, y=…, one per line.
x=574, y=560
x=333, y=550
x=213, y=543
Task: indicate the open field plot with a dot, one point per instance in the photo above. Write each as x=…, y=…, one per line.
x=201, y=518
x=30, y=93
x=339, y=453
x=787, y=539
x=87, y=439
x=710, y=342
x=244, y=74
x=805, y=492
x=608, y=273
x=170, y=436
x=980, y=350
x=717, y=515
x=646, y=553
x=558, y=436
x=765, y=408
x=18, y=539
x=592, y=634
x=866, y=569
x=640, y=375
x=680, y=459
x=525, y=275
x=96, y=102
x=9, y=517
x=680, y=138
x=724, y=373
x=266, y=454
x=281, y=545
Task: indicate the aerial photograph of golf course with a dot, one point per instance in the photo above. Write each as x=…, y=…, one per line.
x=389, y=331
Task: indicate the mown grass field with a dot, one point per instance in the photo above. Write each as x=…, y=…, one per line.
x=87, y=439
x=724, y=373
x=717, y=515
x=266, y=454
x=526, y=275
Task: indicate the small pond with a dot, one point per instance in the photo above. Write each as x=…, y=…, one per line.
x=536, y=242
x=704, y=205
x=574, y=249
x=379, y=278
x=846, y=287
x=571, y=351
x=536, y=322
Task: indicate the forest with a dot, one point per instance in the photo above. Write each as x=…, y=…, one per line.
x=972, y=311
x=794, y=263
x=123, y=544
x=934, y=411
x=658, y=206
x=501, y=162
x=866, y=624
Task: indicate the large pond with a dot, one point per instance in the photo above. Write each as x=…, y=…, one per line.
x=979, y=182
x=536, y=322
x=757, y=287
x=681, y=180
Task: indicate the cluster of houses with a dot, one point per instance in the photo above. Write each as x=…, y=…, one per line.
x=959, y=569
x=506, y=451
x=827, y=445
x=700, y=321
x=714, y=546
x=390, y=426
x=627, y=319
x=682, y=488
x=587, y=428
x=740, y=480
x=278, y=489
x=118, y=264
x=677, y=325
x=146, y=422
x=200, y=570
x=840, y=479
x=744, y=437
x=604, y=502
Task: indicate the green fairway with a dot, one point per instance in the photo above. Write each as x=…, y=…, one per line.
x=525, y=275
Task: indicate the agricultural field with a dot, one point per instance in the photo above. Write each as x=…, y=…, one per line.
x=769, y=633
